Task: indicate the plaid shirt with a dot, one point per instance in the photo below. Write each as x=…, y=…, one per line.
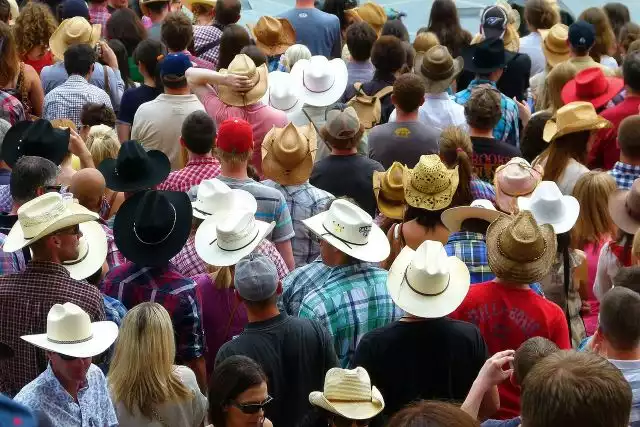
x=625, y=174
x=10, y=262
x=205, y=34
x=6, y=201
x=300, y=282
x=114, y=256
x=11, y=109
x=482, y=190
x=304, y=201
x=66, y=101
x=26, y=299
x=351, y=302
x=195, y=171
x=471, y=248
x=99, y=14
x=507, y=129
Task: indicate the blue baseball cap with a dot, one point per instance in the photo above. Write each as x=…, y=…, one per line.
x=175, y=64
x=15, y=414
x=582, y=35
x=73, y=8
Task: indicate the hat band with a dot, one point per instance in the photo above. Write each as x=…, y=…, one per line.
x=271, y=104
x=425, y=294
x=157, y=242
x=442, y=75
x=346, y=242
x=79, y=260
x=202, y=212
x=70, y=341
x=304, y=83
x=236, y=249
x=520, y=259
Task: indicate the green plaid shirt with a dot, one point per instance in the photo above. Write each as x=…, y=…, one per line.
x=349, y=304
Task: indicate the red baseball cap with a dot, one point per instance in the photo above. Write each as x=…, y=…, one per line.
x=235, y=136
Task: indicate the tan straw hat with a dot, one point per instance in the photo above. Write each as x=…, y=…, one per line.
x=430, y=185
x=555, y=46
x=519, y=250
x=624, y=208
x=388, y=188
x=189, y=3
x=373, y=14
x=348, y=393
x=76, y=30
x=243, y=65
x=439, y=69
x=273, y=35
x=574, y=117
x=288, y=154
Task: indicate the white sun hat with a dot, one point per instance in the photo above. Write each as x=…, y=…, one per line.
x=214, y=196
x=348, y=393
x=70, y=332
x=351, y=230
x=482, y=209
x=323, y=82
x=92, y=250
x=549, y=206
x=284, y=93
x=427, y=282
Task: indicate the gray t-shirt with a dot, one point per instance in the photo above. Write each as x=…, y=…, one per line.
x=402, y=142
x=317, y=30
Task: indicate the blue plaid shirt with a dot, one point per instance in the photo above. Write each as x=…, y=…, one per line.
x=624, y=174
x=471, y=248
x=301, y=281
x=507, y=129
x=482, y=190
x=114, y=310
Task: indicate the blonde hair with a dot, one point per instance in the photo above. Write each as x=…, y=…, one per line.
x=425, y=41
x=559, y=76
x=102, y=143
x=295, y=53
x=594, y=223
x=142, y=374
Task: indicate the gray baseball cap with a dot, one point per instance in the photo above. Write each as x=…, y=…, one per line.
x=256, y=277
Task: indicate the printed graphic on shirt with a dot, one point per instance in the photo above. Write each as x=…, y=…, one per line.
x=493, y=315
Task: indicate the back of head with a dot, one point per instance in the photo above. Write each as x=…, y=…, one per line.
x=256, y=281
x=388, y=54
x=102, y=143
x=396, y=28
x=177, y=31
x=233, y=39
x=592, y=191
x=619, y=320
x=93, y=114
x=88, y=185
x=627, y=34
x=79, y=59
x=629, y=137
x=5, y=11
x=541, y=14
x=125, y=26
x=9, y=59
x=432, y=414
x=629, y=278
x=360, y=39
x=408, y=93
x=569, y=388
x=631, y=71
x=482, y=110
x=147, y=53
x=257, y=56
x=227, y=11
x=605, y=38
x=618, y=14
x=445, y=24
x=559, y=76
x=456, y=149
x=295, y=53
x=532, y=143
x=634, y=47
x=529, y=353
x=28, y=175
x=198, y=132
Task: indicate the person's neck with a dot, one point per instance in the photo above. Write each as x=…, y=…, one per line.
x=630, y=92
x=305, y=4
x=629, y=160
x=479, y=133
x=46, y=257
x=72, y=387
x=234, y=171
x=347, y=152
x=148, y=81
x=260, y=315
x=194, y=156
x=401, y=116
x=511, y=284
x=178, y=91
x=204, y=20
x=623, y=354
x=158, y=17
x=577, y=55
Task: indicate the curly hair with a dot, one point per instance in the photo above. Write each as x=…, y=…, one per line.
x=33, y=27
x=605, y=38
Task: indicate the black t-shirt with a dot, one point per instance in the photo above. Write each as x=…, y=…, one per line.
x=433, y=359
x=488, y=154
x=295, y=354
x=132, y=99
x=402, y=142
x=514, y=80
x=350, y=176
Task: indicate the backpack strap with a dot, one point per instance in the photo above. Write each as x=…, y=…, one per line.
x=383, y=92
x=206, y=47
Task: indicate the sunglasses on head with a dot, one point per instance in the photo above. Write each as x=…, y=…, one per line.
x=252, y=408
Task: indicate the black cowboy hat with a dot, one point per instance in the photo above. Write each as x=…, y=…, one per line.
x=135, y=169
x=487, y=56
x=151, y=227
x=37, y=138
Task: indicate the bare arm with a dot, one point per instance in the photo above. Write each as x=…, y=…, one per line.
x=201, y=77
x=286, y=252
x=36, y=93
x=124, y=131
x=199, y=368
x=78, y=147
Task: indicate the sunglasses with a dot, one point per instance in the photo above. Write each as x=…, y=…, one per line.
x=67, y=358
x=74, y=230
x=252, y=408
x=345, y=422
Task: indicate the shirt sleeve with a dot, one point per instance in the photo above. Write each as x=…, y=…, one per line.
x=283, y=230
x=126, y=112
x=116, y=86
x=188, y=327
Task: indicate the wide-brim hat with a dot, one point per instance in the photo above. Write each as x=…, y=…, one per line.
x=481, y=209
x=555, y=44
x=244, y=66
x=284, y=93
x=214, y=197
x=323, y=82
x=486, y=57
x=76, y=30
x=593, y=86
x=288, y=154
x=388, y=188
x=549, y=206
x=430, y=184
x=135, y=169
x=514, y=179
x=439, y=69
x=92, y=249
x=624, y=208
x=273, y=35
x=575, y=117
x=189, y=3
x=38, y=138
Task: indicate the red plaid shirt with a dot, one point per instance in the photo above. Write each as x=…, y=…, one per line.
x=11, y=109
x=114, y=256
x=26, y=299
x=196, y=170
x=99, y=14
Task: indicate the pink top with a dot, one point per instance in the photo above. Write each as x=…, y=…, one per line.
x=592, y=251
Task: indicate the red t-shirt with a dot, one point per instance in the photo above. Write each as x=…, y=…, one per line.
x=507, y=317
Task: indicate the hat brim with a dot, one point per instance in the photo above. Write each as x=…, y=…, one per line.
x=551, y=131
x=159, y=168
x=393, y=209
x=619, y=213
x=453, y=218
x=287, y=39
x=152, y=255
x=468, y=54
x=273, y=170
x=571, y=207
x=103, y=335
x=93, y=251
x=330, y=96
x=427, y=306
x=439, y=86
x=432, y=202
x=245, y=199
x=350, y=410
x=189, y=3
x=56, y=150
x=58, y=45
x=570, y=92
x=241, y=99
x=279, y=78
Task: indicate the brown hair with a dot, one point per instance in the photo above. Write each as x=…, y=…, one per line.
x=388, y=54
x=529, y=353
x=93, y=114
x=629, y=33
x=456, y=150
x=634, y=47
x=532, y=143
x=561, y=150
x=605, y=39
x=482, y=110
x=619, y=319
x=408, y=92
x=63, y=123
x=629, y=136
x=445, y=24
x=233, y=39
x=199, y=9
x=125, y=26
x=594, y=223
x=9, y=60
x=342, y=144
x=234, y=159
x=177, y=31
x=432, y=414
x=618, y=15
x=541, y=14
x=33, y=27
x=559, y=76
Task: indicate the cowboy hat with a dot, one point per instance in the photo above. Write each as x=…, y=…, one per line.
x=520, y=250
x=426, y=282
x=555, y=44
x=624, y=208
x=71, y=332
x=388, y=187
x=243, y=65
x=574, y=117
x=482, y=209
x=76, y=30
x=348, y=393
x=323, y=82
x=92, y=251
x=37, y=138
x=486, y=57
x=214, y=196
x=515, y=178
x=189, y=3
x=284, y=93
x=373, y=14
x=135, y=169
x=224, y=239
x=430, y=185
x=273, y=35
x=43, y=216
x=351, y=230
x=593, y=86
x=288, y=154
x=549, y=206
x=151, y=227
x=439, y=69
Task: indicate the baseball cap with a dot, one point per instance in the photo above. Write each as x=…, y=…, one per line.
x=342, y=124
x=73, y=8
x=175, y=64
x=494, y=22
x=14, y=414
x=235, y=136
x=582, y=35
x=256, y=277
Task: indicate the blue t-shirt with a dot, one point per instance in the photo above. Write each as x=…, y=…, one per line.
x=513, y=422
x=132, y=99
x=317, y=30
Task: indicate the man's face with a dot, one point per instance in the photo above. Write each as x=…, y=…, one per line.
x=68, y=242
x=71, y=369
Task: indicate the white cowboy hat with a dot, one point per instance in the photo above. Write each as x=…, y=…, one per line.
x=549, y=206
x=482, y=209
x=42, y=216
x=224, y=239
x=348, y=393
x=92, y=249
x=426, y=282
x=351, y=230
x=323, y=82
x=70, y=332
x=214, y=196
x=284, y=93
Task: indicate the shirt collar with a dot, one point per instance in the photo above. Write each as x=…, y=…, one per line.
x=626, y=168
x=201, y=160
x=74, y=78
x=267, y=323
x=47, y=267
x=460, y=236
x=476, y=82
x=442, y=95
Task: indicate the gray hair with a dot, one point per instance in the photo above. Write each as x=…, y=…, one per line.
x=4, y=128
x=295, y=53
x=28, y=175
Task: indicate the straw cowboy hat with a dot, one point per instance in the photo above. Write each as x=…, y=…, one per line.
x=348, y=393
x=514, y=179
x=520, y=250
x=288, y=154
x=439, y=69
x=189, y=3
x=482, y=209
x=92, y=250
x=284, y=93
x=72, y=31
x=70, y=332
x=373, y=14
x=549, y=206
x=555, y=44
x=624, y=208
x=430, y=185
x=242, y=65
x=574, y=117
x=388, y=187
x=214, y=197
x=43, y=216
x=593, y=86
x=323, y=82
x=427, y=282
x=351, y=230
x=273, y=35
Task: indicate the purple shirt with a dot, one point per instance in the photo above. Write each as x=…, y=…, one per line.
x=359, y=72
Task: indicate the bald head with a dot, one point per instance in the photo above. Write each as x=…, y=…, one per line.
x=88, y=185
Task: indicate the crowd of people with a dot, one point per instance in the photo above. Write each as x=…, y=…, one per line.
x=317, y=219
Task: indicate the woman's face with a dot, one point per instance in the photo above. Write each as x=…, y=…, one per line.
x=37, y=52
x=236, y=417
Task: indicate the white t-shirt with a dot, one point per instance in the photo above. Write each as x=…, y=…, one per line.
x=532, y=46
x=609, y=62
x=608, y=267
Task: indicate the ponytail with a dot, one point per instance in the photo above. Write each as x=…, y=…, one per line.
x=456, y=150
